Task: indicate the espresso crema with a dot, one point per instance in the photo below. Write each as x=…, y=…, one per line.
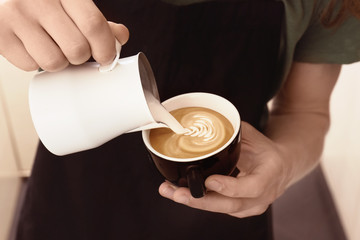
x=206, y=131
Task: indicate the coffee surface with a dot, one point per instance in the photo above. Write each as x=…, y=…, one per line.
x=206, y=131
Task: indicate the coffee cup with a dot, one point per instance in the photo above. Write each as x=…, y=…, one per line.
x=83, y=107
x=192, y=171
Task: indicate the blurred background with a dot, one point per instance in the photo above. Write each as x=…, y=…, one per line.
x=340, y=163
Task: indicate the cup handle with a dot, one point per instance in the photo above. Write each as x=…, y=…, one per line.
x=195, y=182
x=112, y=65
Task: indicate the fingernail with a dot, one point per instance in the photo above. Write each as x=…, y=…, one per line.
x=182, y=199
x=215, y=185
x=108, y=62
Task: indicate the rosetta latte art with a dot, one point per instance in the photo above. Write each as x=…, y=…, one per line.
x=206, y=131
x=203, y=127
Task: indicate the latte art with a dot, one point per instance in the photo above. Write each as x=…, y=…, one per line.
x=206, y=131
x=202, y=127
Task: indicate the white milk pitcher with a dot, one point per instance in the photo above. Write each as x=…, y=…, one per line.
x=82, y=107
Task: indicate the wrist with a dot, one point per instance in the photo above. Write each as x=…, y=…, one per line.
x=288, y=164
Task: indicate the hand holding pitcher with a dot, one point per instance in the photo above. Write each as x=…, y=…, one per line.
x=29, y=40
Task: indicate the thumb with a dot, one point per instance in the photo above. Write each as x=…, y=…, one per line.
x=249, y=134
x=120, y=31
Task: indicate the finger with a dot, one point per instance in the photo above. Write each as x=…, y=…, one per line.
x=67, y=36
x=251, y=138
x=210, y=202
x=213, y=202
x=167, y=190
x=94, y=27
x=248, y=131
x=254, y=211
x=120, y=31
x=249, y=186
x=16, y=53
x=41, y=47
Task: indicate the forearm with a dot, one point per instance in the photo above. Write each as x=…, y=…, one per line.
x=300, y=136
x=299, y=118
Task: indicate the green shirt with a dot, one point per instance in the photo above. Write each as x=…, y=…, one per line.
x=305, y=39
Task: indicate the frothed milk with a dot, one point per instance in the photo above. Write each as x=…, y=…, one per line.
x=206, y=131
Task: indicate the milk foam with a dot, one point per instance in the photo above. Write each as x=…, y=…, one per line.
x=206, y=131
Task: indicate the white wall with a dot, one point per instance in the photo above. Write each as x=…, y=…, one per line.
x=341, y=159
x=18, y=140
x=15, y=116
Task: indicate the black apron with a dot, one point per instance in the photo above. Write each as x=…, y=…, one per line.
x=229, y=48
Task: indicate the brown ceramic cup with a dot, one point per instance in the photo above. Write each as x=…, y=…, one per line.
x=192, y=172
